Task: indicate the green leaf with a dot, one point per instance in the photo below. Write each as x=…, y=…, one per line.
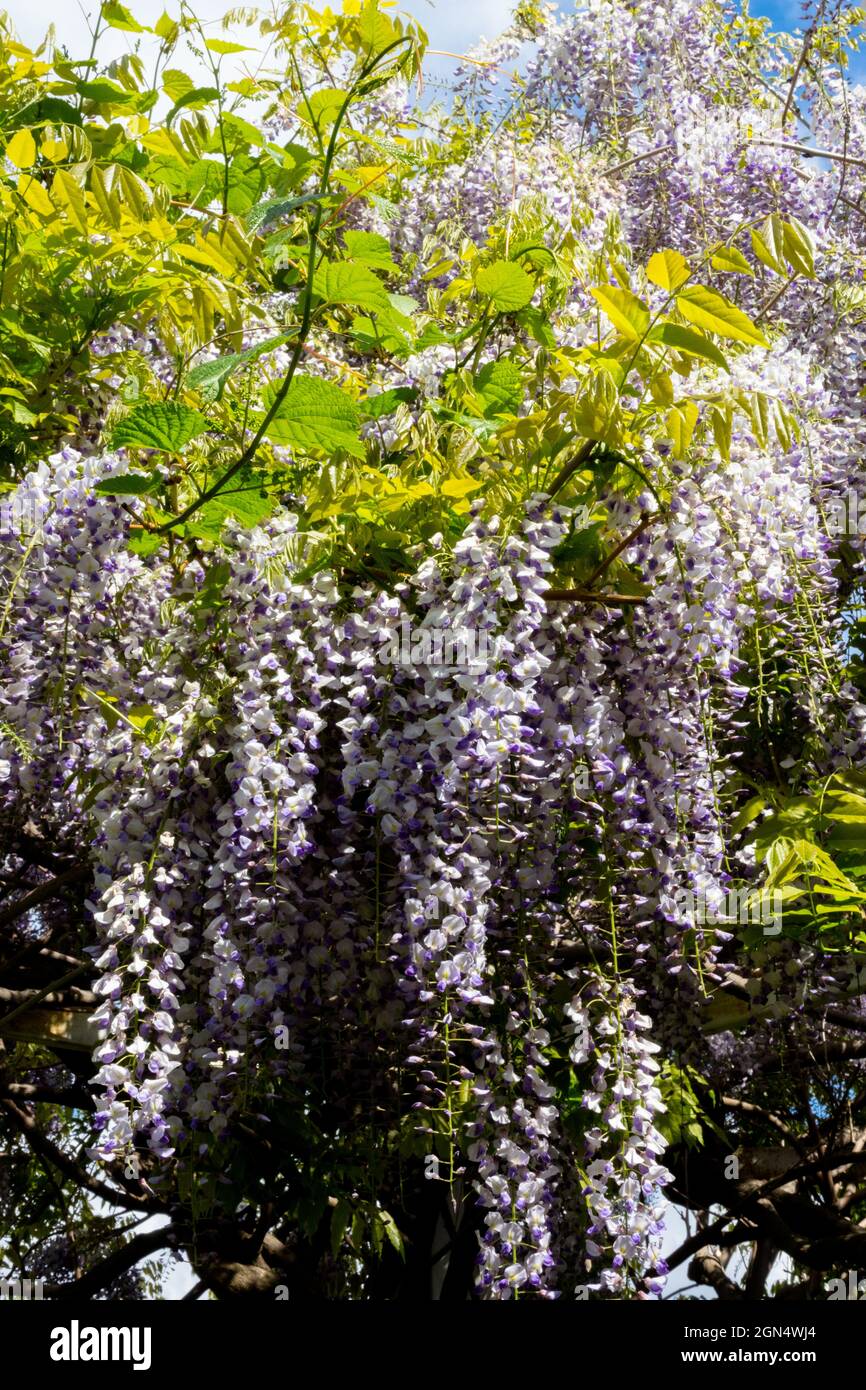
x=537, y=326
x=345, y=282
x=104, y=92
x=847, y=837
x=144, y=543
x=223, y=46
x=386, y=402
x=506, y=285
x=729, y=258
x=843, y=806
x=323, y=107
x=130, y=484
x=583, y=545
x=752, y=809
x=626, y=312
x=212, y=592
x=767, y=244
x=668, y=270
x=718, y=315
x=118, y=17
x=273, y=208
x=371, y=248
x=21, y=149
x=316, y=415
x=686, y=340
x=48, y=109
x=238, y=132
x=374, y=336
x=500, y=387
x=209, y=378
x=158, y=425
x=197, y=97
x=166, y=27
x=246, y=184
x=799, y=247
x=392, y=1232
x=681, y=421
x=244, y=501
x=431, y=335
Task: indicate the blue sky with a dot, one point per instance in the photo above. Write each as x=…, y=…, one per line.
x=453, y=25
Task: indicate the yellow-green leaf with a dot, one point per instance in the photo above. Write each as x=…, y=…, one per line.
x=668, y=270
x=507, y=285
x=767, y=244
x=322, y=108
x=687, y=340
x=36, y=196
x=761, y=418
x=21, y=150
x=223, y=46
x=166, y=28
x=681, y=421
x=165, y=143
x=118, y=17
x=662, y=389
x=69, y=198
x=625, y=311
x=136, y=194
x=101, y=181
x=717, y=314
x=729, y=258
x=459, y=487
x=722, y=420
x=206, y=256
x=799, y=247
x=345, y=282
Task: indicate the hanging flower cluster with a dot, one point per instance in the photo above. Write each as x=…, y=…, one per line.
x=437, y=829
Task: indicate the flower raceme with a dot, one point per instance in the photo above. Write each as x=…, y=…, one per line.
x=433, y=818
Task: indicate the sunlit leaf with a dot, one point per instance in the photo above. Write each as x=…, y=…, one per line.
x=686, y=340
x=346, y=282
x=316, y=415
x=21, y=150
x=119, y=17
x=729, y=258
x=626, y=312
x=714, y=312
x=506, y=285
x=158, y=425
x=130, y=484
x=668, y=270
